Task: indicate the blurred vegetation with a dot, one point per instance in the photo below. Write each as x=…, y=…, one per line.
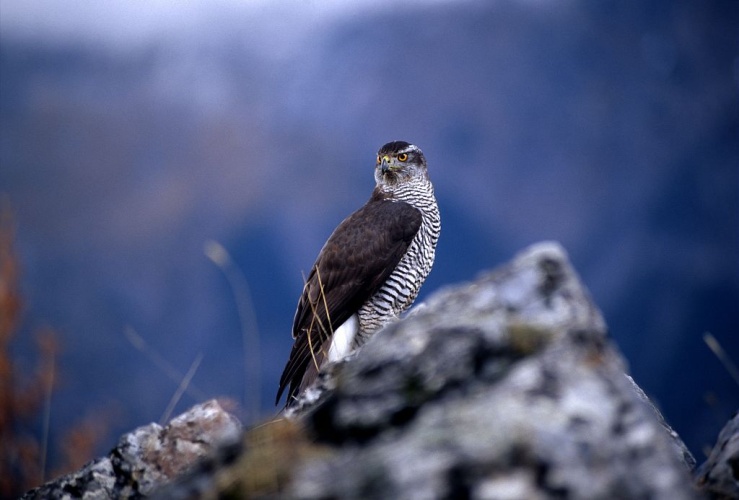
x=25, y=391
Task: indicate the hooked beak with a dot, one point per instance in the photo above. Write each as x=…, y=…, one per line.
x=385, y=165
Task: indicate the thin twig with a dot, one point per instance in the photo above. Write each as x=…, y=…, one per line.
x=325, y=302
x=138, y=342
x=181, y=389
x=714, y=346
x=47, y=417
x=218, y=254
x=309, y=333
x=322, y=332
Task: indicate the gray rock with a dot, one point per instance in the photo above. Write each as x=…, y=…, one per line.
x=504, y=388
x=148, y=457
x=719, y=474
x=507, y=387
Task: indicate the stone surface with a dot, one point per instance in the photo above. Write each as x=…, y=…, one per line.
x=719, y=474
x=261, y=465
x=147, y=457
x=504, y=388
x=507, y=387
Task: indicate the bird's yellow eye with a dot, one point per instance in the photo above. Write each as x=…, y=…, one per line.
x=402, y=156
x=378, y=159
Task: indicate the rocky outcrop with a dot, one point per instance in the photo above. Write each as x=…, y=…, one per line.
x=507, y=388
x=504, y=388
x=148, y=457
x=719, y=475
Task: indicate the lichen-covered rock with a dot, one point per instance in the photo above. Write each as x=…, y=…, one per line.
x=261, y=465
x=147, y=457
x=719, y=475
x=504, y=388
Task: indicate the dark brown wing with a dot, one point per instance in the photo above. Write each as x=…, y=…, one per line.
x=353, y=264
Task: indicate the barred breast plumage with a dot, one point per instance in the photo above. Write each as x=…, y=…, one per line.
x=402, y=286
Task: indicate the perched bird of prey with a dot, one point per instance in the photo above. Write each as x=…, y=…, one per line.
x=369, y=271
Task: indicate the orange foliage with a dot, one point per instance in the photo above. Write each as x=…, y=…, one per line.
x=24, y=397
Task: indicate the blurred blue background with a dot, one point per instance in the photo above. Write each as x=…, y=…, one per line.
x=134, y=132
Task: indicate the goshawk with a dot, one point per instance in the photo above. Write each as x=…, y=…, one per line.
x=369, y=271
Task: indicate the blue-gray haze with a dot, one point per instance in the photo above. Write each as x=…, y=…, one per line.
x=611, y=127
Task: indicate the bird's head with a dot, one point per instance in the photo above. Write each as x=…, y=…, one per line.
x=399, y=162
